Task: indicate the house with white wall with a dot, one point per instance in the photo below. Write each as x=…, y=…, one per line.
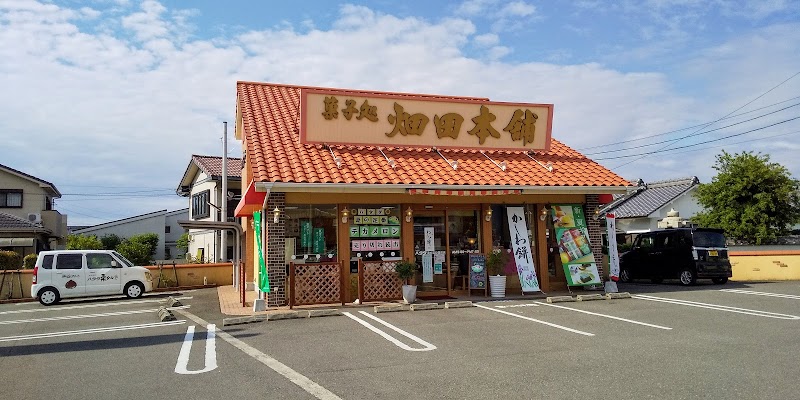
x=640, y=210
x=164, y=223
x=29, y=222
x=202, y=184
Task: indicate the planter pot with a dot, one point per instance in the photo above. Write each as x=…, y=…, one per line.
x=498, y=285
x=409, y=293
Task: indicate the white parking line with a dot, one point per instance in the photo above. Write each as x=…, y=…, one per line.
x=608, y=316
x=520, y=305
x=82, y=316
x=426, y=346
x=115, y=303
x=300, y=380
x=186, y=348
x=757, y=313
x=783, y=296
x=89, y=331
x=536, y=320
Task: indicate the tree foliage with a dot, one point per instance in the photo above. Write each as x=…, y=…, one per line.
x=750, y=198
x=183, y=242
x=139, y=248
x=81, y=242
x=110, y=241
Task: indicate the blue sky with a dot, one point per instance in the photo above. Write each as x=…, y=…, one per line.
x=109, y=99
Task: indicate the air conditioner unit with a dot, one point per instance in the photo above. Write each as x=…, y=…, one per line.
x=36, y=218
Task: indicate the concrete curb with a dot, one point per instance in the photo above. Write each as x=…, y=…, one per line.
x=560, y=299
x=590, y=297
x=172, y=302
x=390, y=308
x=458, y=304
x=323, y=313
x=165, y=315
x=426, y=306
x=621, y=295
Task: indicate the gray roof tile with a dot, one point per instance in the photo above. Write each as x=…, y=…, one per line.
x=648, y=198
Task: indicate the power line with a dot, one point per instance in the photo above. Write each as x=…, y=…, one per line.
x=670, y=152
x=581, y=149
x=695, y=144
x=696, y=133
x=711, y=123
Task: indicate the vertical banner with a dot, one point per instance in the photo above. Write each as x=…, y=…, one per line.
x=305, y=234
x=319, y=241
x=573, y=245
x=429, y=238
x=613, y=256
x=263, y=279
x=427, y=267
x=518, y=230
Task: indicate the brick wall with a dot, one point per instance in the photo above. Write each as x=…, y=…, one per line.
x=595, y=230
x=276, y=239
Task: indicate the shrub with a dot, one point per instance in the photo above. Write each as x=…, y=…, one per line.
x=138, y=253
x=29, y=261
x=405, y=270
x=10, y=260
x=110, y=241
x=80, y=242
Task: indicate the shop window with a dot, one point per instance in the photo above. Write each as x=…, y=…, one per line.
x=10, y=198
x=311, y=233
x=464, y=233
x=200, y=206
x=375, y=232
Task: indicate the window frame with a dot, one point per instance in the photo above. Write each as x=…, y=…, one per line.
x=200, y=204
x=4, y=199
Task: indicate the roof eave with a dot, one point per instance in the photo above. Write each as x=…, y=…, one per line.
x=403, y=188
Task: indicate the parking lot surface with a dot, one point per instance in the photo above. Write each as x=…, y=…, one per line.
x=666, y=342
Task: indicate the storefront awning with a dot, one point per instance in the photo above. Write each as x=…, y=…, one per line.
x=252, y=200
x=16, y=242
x=436, y=192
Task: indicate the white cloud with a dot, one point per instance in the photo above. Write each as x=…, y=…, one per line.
x=96, y=109
x=517, y=9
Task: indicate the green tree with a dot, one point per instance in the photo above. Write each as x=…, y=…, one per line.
x=110, y=241
x=751, y=198
x=183, y=242
x=139, y=248
x=81, y=242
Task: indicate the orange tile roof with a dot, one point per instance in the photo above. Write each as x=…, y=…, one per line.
x=270, y=118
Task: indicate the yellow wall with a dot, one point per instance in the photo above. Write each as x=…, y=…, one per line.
x=765, y=265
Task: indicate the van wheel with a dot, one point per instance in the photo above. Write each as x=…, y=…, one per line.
x=688, y=277
x=625, y=275
x=720, y=281
x=134, y=290
x=48, y=296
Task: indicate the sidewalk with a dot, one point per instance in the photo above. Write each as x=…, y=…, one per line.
x=229, y=303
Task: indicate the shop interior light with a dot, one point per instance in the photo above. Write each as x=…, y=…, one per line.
x=548, y=166
x=543, y=214
x=409, y=214
x=488, y=216
x=391, y=161
x=276, y=213
x=453, y=163
x=345, y=214
x=502, y=164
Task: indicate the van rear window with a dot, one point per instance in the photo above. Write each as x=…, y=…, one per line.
x=708, y=239
x=47, y=262
x=69, y=261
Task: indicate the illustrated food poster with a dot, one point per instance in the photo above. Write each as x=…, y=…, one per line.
x=573, y=245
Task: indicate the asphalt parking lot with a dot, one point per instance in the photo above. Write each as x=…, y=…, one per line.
x=667, y=342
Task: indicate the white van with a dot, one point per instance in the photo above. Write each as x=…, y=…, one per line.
x=78, y=273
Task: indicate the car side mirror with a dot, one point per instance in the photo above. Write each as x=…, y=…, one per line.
x=114, y=264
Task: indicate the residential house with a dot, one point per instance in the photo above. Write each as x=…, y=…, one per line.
x=164, y=223
x=28, y=221
x=641, y=209
x=202, y=183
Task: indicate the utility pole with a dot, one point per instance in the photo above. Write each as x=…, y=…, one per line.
x=224, y=218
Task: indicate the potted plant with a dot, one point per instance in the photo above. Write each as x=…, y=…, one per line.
x=405, y=271
x=495, y=264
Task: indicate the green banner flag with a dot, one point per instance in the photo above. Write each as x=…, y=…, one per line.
x=263, y=278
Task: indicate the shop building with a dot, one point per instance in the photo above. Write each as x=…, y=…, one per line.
x=345, y=179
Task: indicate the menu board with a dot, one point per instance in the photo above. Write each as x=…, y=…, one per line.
x=477, y=271
x=573, y=245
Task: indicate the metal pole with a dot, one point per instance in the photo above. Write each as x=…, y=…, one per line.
x=224, y=218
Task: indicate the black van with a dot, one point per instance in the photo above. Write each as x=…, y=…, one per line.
x=683, y=253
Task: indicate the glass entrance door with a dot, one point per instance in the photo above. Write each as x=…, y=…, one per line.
x=443, y=241
x=430, y=247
